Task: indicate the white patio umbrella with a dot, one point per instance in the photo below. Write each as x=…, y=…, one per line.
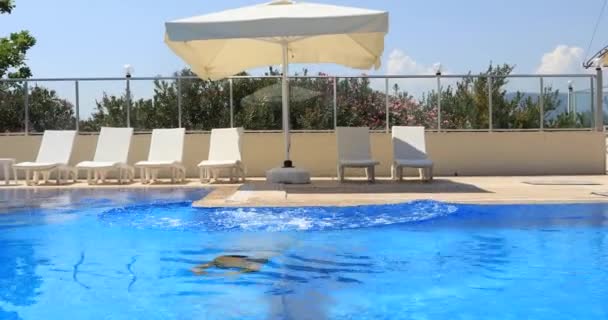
x=222, y=44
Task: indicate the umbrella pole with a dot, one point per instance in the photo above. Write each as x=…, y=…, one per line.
x=285, y=94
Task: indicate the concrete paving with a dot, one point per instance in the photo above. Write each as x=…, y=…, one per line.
x=572, y=189
x=328, y=192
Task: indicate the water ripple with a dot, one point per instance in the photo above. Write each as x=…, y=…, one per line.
x=133, y=276
x=75, y=271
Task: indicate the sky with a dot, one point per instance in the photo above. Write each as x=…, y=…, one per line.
x=97, y=38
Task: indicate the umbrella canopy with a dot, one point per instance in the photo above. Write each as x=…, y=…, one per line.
x=222, y=44
x=273, y=94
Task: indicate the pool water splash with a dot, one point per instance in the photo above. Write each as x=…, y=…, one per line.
x=181, y=216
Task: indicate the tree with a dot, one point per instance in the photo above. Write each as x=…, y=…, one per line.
x=48, y=111
x=109, y=111
x=12, y=65
x=13, y=49
x=466, y=104
x=6, y=6
x=11, y=109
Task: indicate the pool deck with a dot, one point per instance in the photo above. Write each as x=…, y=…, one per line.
x=328, y=192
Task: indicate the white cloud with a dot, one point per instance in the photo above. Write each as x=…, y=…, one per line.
x=400, y=63
x=563, y=59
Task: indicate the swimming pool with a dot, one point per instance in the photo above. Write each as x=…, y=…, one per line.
x=127, y=254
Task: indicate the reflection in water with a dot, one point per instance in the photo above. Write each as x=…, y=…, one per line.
x=488, y=256
x=19, y=282
x=5, y=315
x=304, y=286
x=290, y=276
x=27, y=200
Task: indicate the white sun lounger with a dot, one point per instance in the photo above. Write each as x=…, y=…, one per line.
x=224, y=153
x=409, y=151
x=54, y=155
x=111, y=154
x=166, y=152
x=354, y=151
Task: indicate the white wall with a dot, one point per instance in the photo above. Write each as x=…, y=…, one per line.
x=462, y=153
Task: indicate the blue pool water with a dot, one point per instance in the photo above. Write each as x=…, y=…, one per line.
x=128, y=254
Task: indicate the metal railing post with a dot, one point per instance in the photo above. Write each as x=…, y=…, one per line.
x=128, y=100
x=541, y=104
x=179, y=101
x=335, y=103
x=592, y=94
x=77, y=105
x=599, y=97
x=26, y=107
x=231, y=84
x=388, y=115
x=438, y=101
x=490, y=106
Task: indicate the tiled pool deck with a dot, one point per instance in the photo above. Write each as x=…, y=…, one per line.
x=328, y=192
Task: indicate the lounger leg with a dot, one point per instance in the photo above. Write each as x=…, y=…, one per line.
x=201, y=174
x=27, y=177
x=15, y=175
x=372, y=173
x=340, y=173
x=35, y=177
x=142, y=176
x=7, y=177
x=428, y=174
x=368, y=173
x=131, y=174
x=400, y=173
